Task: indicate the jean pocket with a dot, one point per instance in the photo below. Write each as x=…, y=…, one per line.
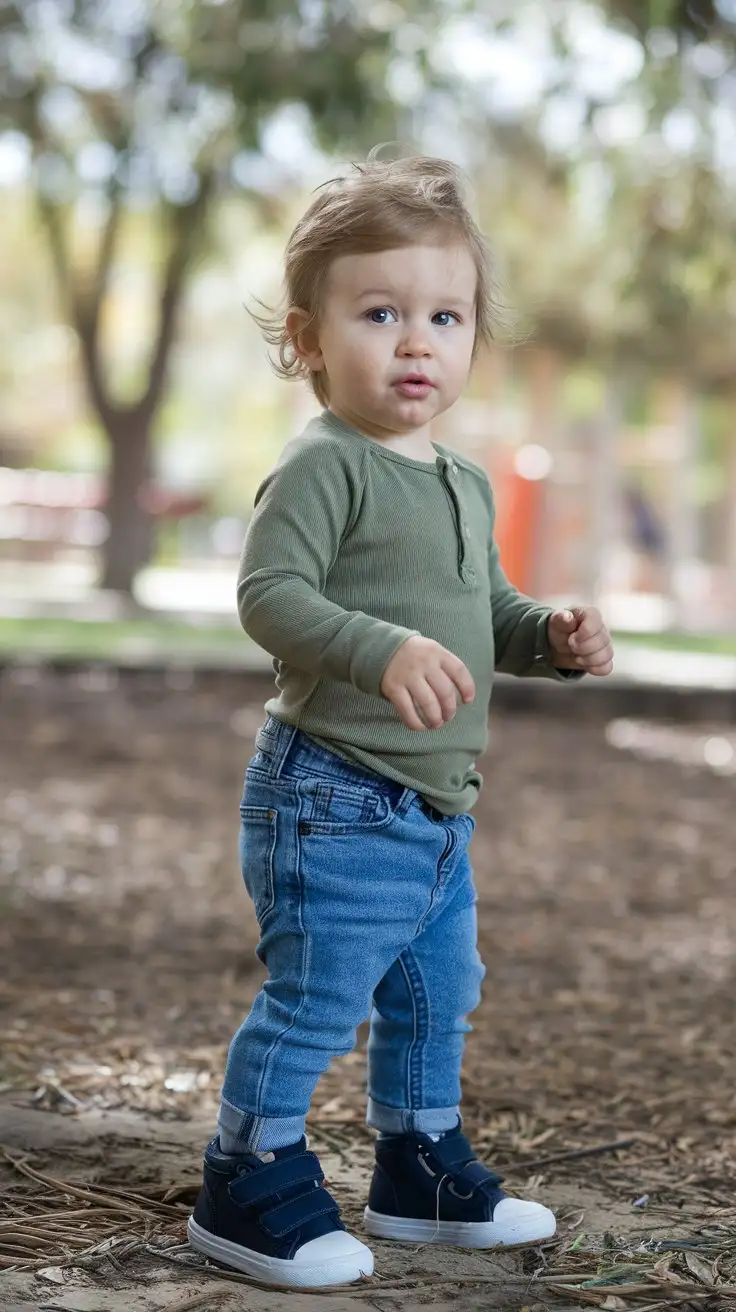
x=257, y=853
x=341, y=808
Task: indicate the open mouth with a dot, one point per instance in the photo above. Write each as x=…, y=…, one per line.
x=414, y=385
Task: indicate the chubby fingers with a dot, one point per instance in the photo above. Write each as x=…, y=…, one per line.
x=591, y=642
x=589, y=646
x=598, y=658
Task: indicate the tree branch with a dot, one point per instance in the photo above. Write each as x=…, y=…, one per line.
x=92, y=302
x=82, y=311
x=77, y=310
x=187, y=227
x=52, y=220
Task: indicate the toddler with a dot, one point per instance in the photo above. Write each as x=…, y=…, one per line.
x=370, y=573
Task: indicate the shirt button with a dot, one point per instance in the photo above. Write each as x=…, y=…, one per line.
x=454, y=469
x=467, y=532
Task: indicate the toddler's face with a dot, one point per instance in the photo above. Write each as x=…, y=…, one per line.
x=396, y=335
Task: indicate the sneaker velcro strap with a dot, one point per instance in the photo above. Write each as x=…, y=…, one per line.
x=296, y=1212
x=273, y=1177
x=452, y=1152
x=475, y=1174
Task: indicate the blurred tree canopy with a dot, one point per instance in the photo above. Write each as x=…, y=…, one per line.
x=161, y=107
x=619, y=238
x=702, y=19
x=673, y=198
x=619, y=234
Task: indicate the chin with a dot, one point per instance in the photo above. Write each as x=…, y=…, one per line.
x=415, y=414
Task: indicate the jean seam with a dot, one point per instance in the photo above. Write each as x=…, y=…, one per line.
x=305, y=969
x=430, y=905
x=420, y=1009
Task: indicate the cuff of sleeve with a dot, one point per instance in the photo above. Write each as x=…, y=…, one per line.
x=375, y=652
x=528, y=655
x=543, y=666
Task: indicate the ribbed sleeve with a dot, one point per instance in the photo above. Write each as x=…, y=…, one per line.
x=520, y=630
x=303, y=511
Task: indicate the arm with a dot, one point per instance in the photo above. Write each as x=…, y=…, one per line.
x=520, y=624
x=520, y=629
x=303, y=510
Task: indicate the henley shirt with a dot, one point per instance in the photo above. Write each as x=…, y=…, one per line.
x=351, y=549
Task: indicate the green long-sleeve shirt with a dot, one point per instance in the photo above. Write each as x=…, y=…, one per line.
x=351, y=549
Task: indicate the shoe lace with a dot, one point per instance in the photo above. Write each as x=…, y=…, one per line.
x=437, y=1212
x=455, y=1156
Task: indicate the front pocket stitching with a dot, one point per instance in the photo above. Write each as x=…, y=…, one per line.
x=344, y=826
x=370, y=801
x=270, y=814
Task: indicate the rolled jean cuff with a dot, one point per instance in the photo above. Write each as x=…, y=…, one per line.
x=402, y=1120
x=258, y=1134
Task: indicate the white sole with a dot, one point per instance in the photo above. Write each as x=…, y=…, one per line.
x=340, y=1270
x=461, y=1234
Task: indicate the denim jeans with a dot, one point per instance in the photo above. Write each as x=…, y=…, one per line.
x=365, y=899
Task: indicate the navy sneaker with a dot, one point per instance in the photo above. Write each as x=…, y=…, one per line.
x=273, y=1219
x=433, y=1189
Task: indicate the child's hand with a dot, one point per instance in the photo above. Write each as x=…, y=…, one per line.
x=580, y=641
x=423, y=676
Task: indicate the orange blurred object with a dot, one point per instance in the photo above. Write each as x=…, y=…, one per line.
x=519, y=507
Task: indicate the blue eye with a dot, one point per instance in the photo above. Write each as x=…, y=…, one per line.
x=446, y=316
x=382, y=310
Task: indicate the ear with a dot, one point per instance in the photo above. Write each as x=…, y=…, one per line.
x=305, y=339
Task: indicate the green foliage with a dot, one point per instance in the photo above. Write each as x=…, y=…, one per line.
x=702, y=19
x=172, y=90
x=154, y=107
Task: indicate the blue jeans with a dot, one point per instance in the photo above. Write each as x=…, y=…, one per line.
x=365, y=899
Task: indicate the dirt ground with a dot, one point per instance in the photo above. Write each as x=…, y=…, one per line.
x=605, y=858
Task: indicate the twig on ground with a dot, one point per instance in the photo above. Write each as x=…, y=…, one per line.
x=129, y=1202
x=568, y=1156
x=206, y=1300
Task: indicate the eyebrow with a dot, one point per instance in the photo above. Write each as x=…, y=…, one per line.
x=382, y=293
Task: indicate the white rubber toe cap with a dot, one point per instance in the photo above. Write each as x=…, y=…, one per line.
x=337, y=1246
x=515, y=1212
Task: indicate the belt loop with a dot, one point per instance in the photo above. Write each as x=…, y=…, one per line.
x=405, y=801
x=286, y=735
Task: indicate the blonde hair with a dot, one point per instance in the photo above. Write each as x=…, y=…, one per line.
x=384, y=205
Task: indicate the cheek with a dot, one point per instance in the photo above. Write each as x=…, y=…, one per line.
x=358, y=356
x=459, y=357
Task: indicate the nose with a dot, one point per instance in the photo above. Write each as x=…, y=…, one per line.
x=414, y=342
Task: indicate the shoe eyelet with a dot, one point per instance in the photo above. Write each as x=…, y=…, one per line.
x=423, y=1162
x=453, y=1190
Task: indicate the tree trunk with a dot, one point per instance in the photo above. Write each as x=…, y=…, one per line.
x=130, y=542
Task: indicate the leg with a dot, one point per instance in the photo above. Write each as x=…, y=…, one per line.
x=428, y=1185
x=337, y=901
x=418, y=1023
x=342, y=882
